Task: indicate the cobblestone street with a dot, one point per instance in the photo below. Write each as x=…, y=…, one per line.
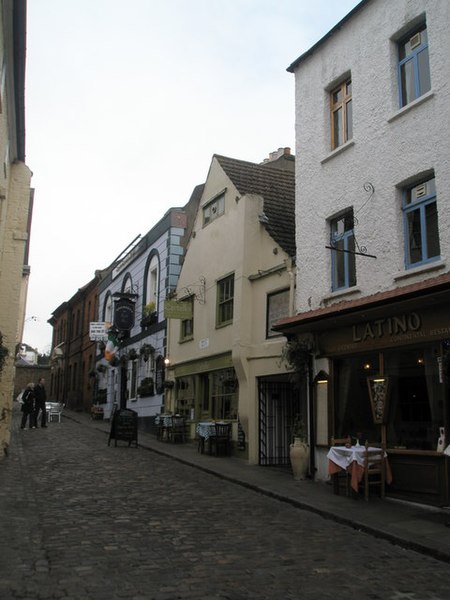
x=81, y=520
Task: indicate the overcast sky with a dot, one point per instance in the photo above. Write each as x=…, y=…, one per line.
x=125, y=105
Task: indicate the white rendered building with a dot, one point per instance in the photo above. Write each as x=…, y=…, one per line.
x=372, y=221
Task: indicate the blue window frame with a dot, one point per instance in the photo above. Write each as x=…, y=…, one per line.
x=343, y=267
x=414, y=66
x=421, y=224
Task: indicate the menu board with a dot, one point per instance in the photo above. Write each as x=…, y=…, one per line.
x=124, y=426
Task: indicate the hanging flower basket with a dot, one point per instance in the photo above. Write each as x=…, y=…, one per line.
x=146, y=351
x=132, y=354
x=146, y=387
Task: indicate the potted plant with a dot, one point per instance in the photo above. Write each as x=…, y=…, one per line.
x=146, y=387
x=132, y=354
x=296, y=355
x=3, y=353
x=146, y=351
x=299, y=449
x=149, y=315
x=168, y=384
x=97, y=412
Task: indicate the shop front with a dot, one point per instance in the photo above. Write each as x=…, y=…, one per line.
x=401, y=346
x=206, y=390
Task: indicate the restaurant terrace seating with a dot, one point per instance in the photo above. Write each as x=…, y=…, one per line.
x=343, y=476
x=221, y=441
x=374, y=468
x=177, y=431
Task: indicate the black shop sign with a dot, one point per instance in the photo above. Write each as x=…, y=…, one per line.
x=124, y=314
x=124, y=426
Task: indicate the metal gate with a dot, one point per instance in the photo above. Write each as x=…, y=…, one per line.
x=279, y=402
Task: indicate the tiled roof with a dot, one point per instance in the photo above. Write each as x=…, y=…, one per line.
x=420, y=288
x=276, y=186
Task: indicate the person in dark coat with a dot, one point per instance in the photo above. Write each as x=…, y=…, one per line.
x=28, y=407
x=40, y=396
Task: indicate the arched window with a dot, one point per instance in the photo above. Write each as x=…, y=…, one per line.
x=127, y=286
x=152, y=290
x=107, y=309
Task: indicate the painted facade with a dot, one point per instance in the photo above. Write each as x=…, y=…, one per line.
x=238, y=276
x=146, y=275
x=15, y=201
x=372, y=215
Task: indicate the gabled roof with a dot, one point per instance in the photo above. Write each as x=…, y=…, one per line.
x=277, y=188
x=322, y=40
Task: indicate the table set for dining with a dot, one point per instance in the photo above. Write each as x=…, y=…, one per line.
x=208, y=430
x=170, y=428
x=352, y=459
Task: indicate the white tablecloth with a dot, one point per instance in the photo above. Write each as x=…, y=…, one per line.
x=344, y=457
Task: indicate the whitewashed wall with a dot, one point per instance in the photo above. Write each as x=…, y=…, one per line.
x=389, y=146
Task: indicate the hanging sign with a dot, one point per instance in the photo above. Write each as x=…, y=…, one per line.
x=177, y=310
x=124, y=314
x=97, y=331
x=378, y=392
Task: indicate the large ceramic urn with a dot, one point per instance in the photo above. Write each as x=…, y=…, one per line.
x=299, y=455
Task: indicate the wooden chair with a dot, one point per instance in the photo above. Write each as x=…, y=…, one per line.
x=342, y=476
x=374, y=468
x=177, y=433
x=222, y=440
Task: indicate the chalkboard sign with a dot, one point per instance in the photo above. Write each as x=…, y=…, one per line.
x=124, y=426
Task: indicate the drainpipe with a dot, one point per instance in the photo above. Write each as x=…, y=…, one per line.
x=310, y=416
x=291, y=271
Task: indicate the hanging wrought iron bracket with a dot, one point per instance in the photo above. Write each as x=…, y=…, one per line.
x=350, y=252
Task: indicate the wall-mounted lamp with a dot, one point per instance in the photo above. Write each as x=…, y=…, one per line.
x=166, y=361
x=321, y=377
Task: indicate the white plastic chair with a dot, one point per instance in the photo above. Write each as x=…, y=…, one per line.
x=55, y=412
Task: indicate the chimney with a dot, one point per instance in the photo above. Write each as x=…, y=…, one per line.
x=277, y=154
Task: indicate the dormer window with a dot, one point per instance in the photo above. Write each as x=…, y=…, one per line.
x=215, y=208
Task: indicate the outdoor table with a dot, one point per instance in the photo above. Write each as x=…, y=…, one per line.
x=164, y=423
x=343, y=458
x=205, y=431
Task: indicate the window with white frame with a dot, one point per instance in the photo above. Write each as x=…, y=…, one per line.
x=127, y=286
x=414, y=65
x=107, y=311
x=421, y=224
x=343, y=267
x=341, y=114
x=214, y=209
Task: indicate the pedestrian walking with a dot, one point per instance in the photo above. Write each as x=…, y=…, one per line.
x=28, y=408
x=40, y=397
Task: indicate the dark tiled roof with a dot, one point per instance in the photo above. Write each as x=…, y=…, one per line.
x=277, y=187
